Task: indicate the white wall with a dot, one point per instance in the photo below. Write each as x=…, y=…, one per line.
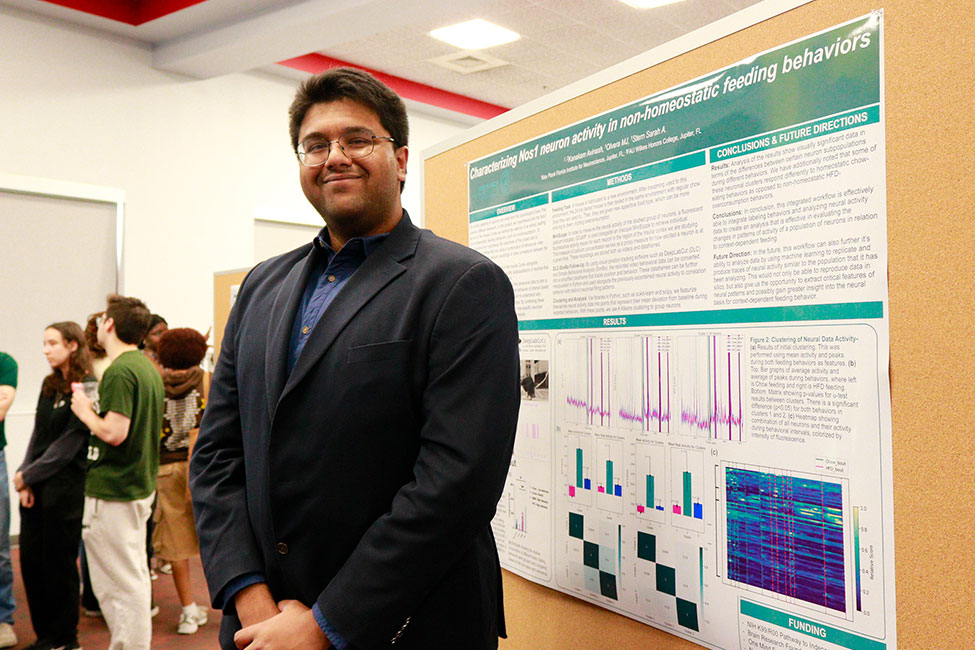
x=198, y=160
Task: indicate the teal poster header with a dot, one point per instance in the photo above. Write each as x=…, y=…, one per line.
x=805, y=81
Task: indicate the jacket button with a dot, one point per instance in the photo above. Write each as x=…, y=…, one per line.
x=281, y=548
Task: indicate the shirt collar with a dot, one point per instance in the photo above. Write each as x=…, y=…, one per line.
x=365, y=245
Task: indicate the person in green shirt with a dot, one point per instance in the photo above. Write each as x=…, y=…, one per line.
x=8, y=388
x=123, y=458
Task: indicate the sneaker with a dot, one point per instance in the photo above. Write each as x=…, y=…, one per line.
x=186, y=624
x=68, y=646
x=91, y=613
x=166, y=568
x=153, y=610
x=201, y=616
x=8, y=638
x=190, y=620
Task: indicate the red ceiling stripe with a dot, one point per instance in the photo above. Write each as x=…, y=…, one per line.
x=152, y=9
x=315, y=63
x=131, y=12
x=137, y=12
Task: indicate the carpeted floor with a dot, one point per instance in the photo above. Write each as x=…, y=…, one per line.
x=93, y=634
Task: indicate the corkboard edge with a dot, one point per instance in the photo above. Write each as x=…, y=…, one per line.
x=222, y=282
x=929, y=84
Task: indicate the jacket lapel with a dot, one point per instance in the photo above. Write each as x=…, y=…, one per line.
x=379, y=269
x=280, y=321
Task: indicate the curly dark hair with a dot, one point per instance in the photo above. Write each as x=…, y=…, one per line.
x=181, y=348
x=91, y=338
x=79, y=363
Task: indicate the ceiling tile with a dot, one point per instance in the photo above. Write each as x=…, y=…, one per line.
x=562, y=41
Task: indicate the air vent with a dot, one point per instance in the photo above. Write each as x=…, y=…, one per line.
x=467, y=62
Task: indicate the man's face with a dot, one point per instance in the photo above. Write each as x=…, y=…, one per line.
x=101, y=334
x=355, y=197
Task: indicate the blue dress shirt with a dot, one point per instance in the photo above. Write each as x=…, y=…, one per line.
x=334, y=270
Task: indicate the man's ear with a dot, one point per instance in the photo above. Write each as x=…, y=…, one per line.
x=402, y=155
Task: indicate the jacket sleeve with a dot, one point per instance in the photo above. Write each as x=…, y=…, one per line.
x=228, y=547
x=57, y=455
x=470, y=410
x=29, y=454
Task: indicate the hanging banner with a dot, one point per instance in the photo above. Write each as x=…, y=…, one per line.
x=700, y=275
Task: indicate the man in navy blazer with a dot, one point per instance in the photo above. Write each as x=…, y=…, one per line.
x=361, y=417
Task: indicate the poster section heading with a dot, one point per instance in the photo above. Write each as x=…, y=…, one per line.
x=736, y=103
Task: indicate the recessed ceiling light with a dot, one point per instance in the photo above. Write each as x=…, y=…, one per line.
x=475, y=34
x=648, y=4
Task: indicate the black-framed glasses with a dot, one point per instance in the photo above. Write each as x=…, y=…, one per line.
x=356, y=144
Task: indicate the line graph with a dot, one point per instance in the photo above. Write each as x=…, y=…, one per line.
x=643, y=383
x=586, y=380
x=709, y=381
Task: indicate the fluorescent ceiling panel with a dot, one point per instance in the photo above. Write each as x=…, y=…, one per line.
x=648, y=4
x=475, y=35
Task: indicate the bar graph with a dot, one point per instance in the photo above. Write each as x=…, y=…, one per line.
x=650, y=481
x=522, y=521
x=687, y=488
x=578, y=467
x=609, y=474
x=518, y=500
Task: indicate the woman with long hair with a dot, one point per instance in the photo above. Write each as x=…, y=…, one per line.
x=51, y=485
x=99, y=358
x=99, y=363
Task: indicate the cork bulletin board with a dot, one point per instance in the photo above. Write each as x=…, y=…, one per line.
x=928, y=54
x=225, y=285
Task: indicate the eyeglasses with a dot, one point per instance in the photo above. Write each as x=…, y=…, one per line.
x=357, y=144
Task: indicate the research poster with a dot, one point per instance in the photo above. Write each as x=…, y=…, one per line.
x=704, y=442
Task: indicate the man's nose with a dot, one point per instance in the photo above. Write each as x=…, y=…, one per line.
x=336, y=155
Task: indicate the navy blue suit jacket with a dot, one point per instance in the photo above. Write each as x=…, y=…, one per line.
x=367, y=479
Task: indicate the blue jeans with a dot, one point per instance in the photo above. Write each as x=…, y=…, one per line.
x=7, y=604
